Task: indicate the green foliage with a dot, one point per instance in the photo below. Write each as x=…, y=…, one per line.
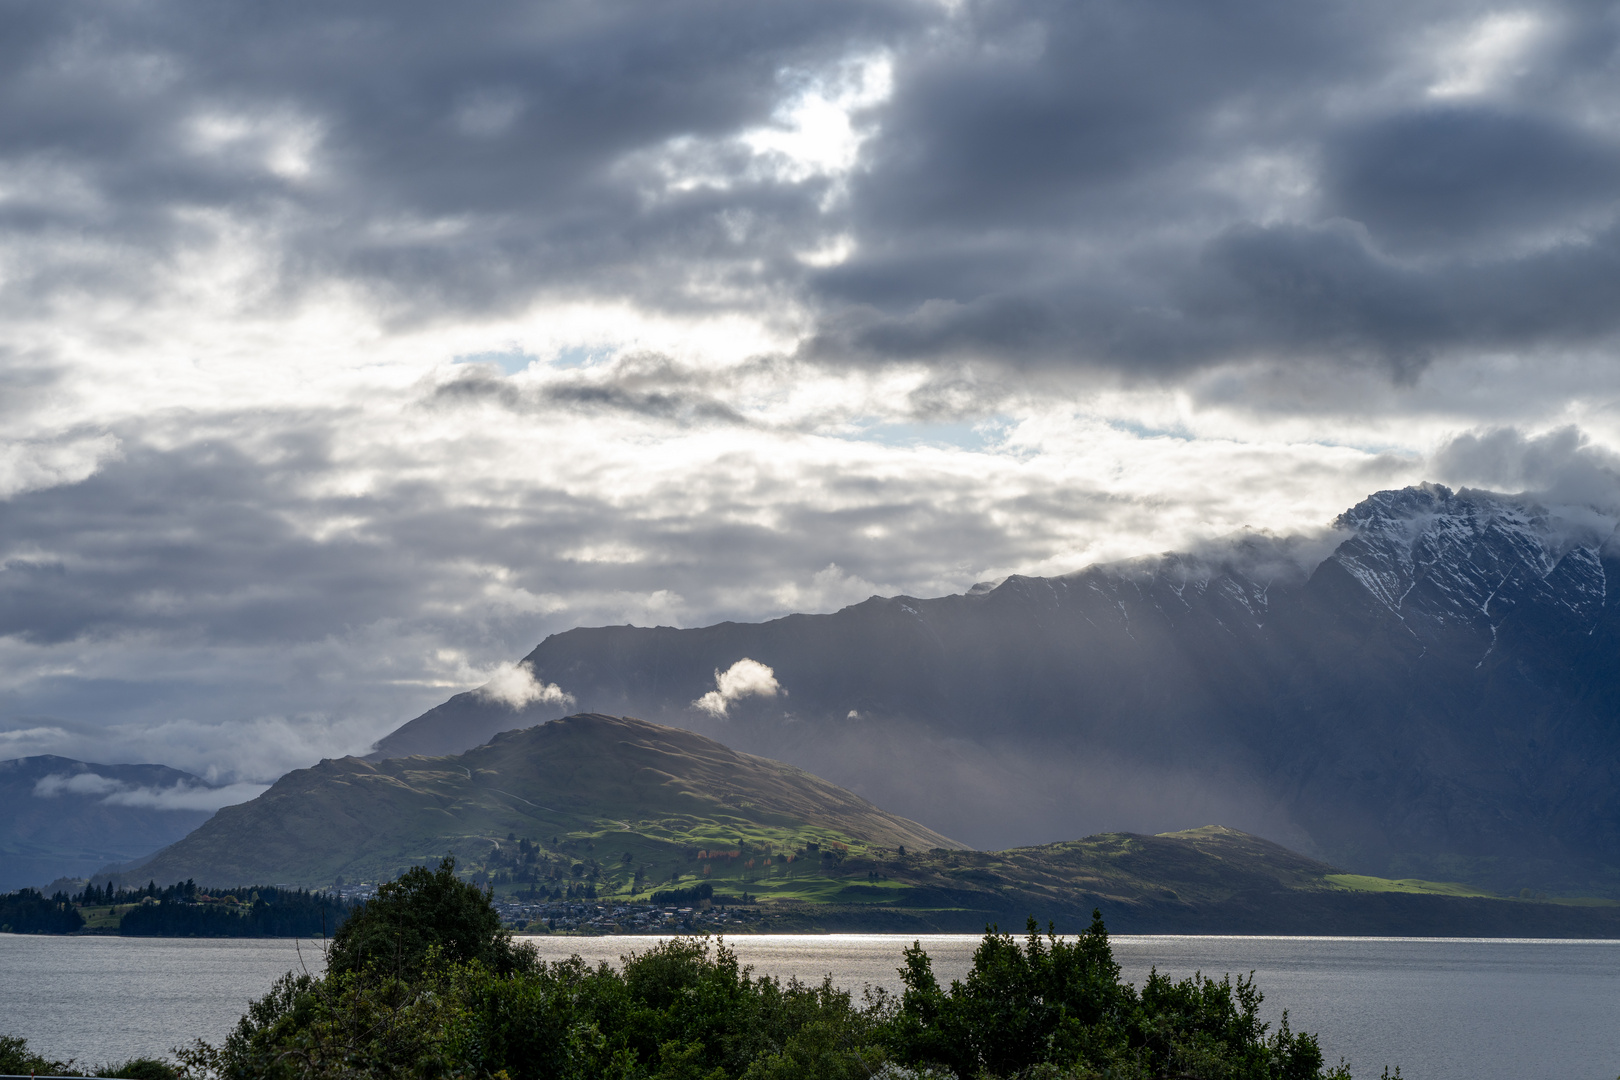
x=141, y=1069
x=17, y=1060
x=271, y=912
x=690, y=895
x=28, y=911
x=455, y=1000
x=422, y=910
x=1060, y=1005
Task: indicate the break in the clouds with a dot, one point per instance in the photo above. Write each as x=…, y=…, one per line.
x=351, y=348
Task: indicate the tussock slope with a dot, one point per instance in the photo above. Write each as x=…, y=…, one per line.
x=579, y=784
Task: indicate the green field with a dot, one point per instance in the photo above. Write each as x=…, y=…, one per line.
x=1364, y=883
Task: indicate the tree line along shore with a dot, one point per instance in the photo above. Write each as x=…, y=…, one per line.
x=183, y=909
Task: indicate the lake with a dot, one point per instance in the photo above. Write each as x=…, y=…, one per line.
x=1440, y=1008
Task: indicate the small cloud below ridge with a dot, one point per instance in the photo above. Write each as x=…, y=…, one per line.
x=745, y=678
x=49, y=787
x=181, y=796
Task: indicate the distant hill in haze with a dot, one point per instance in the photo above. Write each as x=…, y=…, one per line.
x=65, y=818
x=618, y=793
x=1434, y=693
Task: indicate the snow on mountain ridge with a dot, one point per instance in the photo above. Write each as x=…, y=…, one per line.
x=1471, y=557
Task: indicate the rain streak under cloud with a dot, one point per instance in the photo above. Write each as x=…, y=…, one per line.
x=351, y=349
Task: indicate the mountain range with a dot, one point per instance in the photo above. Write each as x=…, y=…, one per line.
x=1430, y=691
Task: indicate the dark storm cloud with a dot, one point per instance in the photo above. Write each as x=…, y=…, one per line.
x=506, y=122
x=1286, y=293
x=1048, y=184
x=1435, y=177
x=1562, y=465
x=1085, y=184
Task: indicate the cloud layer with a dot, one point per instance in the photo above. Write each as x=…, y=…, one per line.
x=114, y=792
x=351, y=350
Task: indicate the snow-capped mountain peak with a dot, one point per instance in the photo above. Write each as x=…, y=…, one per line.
x=1468, y=558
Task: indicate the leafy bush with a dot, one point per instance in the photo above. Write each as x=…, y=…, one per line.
x=17, y=1060
x=422, y=910
x=141, y=1069
x=1057, y=1009
x=1046, y=1009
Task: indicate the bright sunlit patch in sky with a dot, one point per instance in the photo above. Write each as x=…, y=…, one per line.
x=1487, y=54
x=814, y=131
x=580, y=356
x=981, y=435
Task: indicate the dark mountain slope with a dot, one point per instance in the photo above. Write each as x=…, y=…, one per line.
x=1439, y=696
x=66, y=818
x=647, y=791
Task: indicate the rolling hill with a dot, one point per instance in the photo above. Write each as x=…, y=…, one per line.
x=611, y=794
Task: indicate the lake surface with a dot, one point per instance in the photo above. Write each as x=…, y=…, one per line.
x=1440, y=1008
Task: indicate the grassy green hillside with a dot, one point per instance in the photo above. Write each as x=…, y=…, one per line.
x=631, y=804
x=1208, y=880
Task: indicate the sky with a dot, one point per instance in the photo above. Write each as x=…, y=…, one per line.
x=348, y=349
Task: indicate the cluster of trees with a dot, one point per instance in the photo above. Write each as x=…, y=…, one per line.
x=16, y=1059
x=519, y=861
x=180, y=910
x=423, y=983
x=548, y=876
x=27, y=911
x=690, y=895
x=258, y=911
x=109, y=894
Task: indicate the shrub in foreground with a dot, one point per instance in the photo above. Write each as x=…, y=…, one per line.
x=422, y=910
x=16, y=1059
x=1041, y=1009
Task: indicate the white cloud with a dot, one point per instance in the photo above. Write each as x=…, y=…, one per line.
x=49, y=787
x=1486, y=54
x=32, y=465
x=515, y=686
x=186, y=796
x=25, y=742
x=814, y=131
x=745, y=678
x=181, y=796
